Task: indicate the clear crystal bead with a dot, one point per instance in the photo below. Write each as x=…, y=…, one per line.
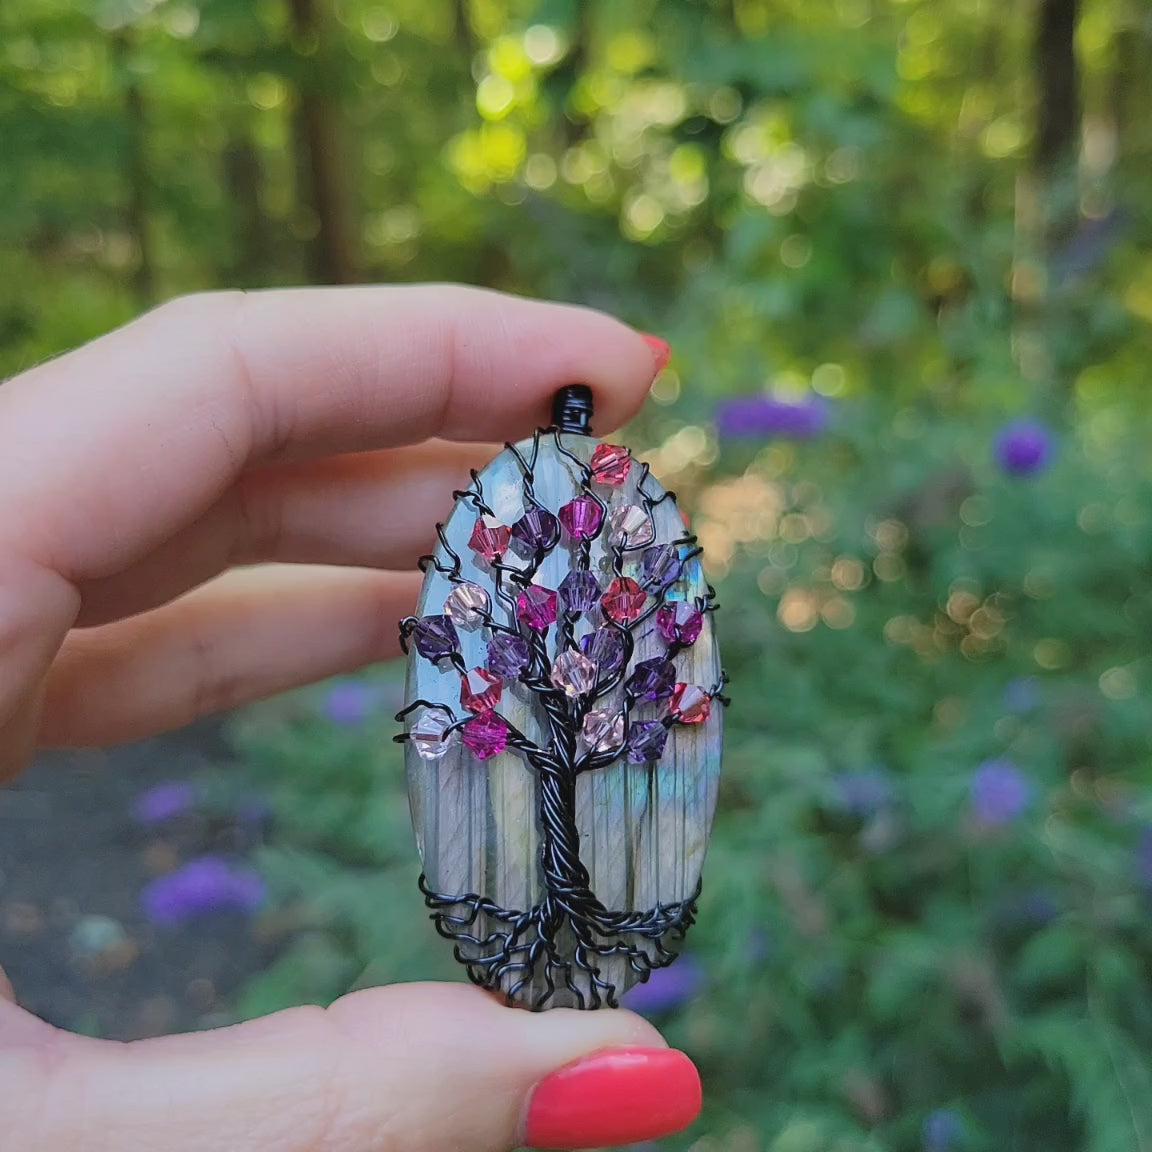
x=573, y=673
x=629, y=526
x=430, y=735
x=602, y=730
x=467, y=605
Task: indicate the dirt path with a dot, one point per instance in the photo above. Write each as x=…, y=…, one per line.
x=73, y=862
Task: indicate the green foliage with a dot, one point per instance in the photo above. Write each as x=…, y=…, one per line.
x=829, y=196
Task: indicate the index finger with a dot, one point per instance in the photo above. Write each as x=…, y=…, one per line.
x=106, y=451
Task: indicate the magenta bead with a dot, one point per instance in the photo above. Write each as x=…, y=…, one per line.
x=582, y=517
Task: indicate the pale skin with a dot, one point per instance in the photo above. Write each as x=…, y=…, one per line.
x=220, y=501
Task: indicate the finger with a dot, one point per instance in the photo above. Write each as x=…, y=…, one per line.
x=148, y=427
x=107, y=452
x=411, y=1068
x=247, y=635
x=369, y=509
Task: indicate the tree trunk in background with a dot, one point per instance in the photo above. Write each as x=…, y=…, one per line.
x=251, y=240
x=1058, y=84
x=1131, y=92
x=462, y=30
x=318, y=131
x=135, y=171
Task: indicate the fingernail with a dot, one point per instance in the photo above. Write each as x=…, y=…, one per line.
x=618, y=1096
x=661, y=352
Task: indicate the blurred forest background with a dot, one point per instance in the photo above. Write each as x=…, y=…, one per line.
x=903, y=252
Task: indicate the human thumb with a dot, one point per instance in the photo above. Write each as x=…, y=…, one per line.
x=408, y=1068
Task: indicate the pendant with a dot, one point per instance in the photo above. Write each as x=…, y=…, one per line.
x=562, y=729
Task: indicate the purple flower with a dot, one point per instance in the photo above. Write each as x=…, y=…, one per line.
x=666, y=988
x=943, y=1130
x=203, y=885
x=1021, y=695
x=761, y=416
x=862, y=793
x=350, y=702
x=1144, y=857
x=1024, y=447
x=164, y=802
x=1000, y=793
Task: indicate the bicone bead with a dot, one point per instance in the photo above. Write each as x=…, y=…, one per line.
x=579, y=591
x=508, y=655
x=623, y=600
x=434, y=637
x=489, y=538
x=582, y=517
x=536, y=607
x=573, y=673
x=430, y=736
x=467, y=605
x=610, y=464
x=646, y=740
x=679, y=622
x=652, y=679
x=537, y=529
x=486, y=735
x=660, y=566
x=629, y=526
x=691, y=704
x=480, y=690
x=602, y=730
x=605, y=648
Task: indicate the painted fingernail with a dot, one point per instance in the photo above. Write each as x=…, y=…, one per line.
x=661, y=352
x=618, y=1096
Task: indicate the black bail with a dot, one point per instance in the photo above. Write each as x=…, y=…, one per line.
x=572, y=409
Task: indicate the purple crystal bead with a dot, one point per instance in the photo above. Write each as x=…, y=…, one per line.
x=486, y=735
x=582, y=517
x=605, y=648
x=434, y=637
x=579, y=592
x=536, y=607
x=508, y=655
x=652, y=679
x=573, y=673
x=679, y=622
x=536, y=529
x=646, y=740
x=660, y=566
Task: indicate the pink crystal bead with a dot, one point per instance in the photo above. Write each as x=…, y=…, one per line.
x=691, y=704
x=486, y=735
x=624, y=600
x=582, y=517
x=679, y=622
x=536, y=607
x=573, y=673
x=610, y=464
x=489, y=537
x=480, y=690
x=602, y=730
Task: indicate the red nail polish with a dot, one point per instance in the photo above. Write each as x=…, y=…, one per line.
x=618, y=1096
x=661, y=352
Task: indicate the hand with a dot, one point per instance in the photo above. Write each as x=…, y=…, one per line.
x=225, y=431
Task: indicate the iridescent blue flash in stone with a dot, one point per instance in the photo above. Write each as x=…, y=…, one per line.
x=434, y=637
x=605, y=648
x=536, y=529
x=659, y=566
x=508, y=655
x=579, y=592
x=646, y=740
x=652, y=679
